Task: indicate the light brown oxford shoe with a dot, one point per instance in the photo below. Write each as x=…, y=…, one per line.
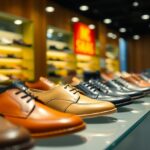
x=67, y=99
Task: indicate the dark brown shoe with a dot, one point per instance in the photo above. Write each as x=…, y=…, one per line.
x=14, y=137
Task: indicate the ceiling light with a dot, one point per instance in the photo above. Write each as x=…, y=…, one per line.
x=84, y=8
x=107, y=21
x=92, y=26
x=49, y=9
x=74, y=19
x=18, y=22
x=110, y=35
x=135, y=4
x=114, y=36
x=145, y=17
x=136, y=37
x=122, y=30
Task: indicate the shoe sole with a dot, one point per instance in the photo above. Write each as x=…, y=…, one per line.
x=137, y=97
x=20, y=146
x=92, y=115
x=123, y=104
x=59, y=132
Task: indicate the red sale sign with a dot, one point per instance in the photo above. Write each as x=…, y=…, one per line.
x=84, y=39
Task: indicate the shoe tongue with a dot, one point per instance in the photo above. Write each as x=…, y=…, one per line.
x=18, y=84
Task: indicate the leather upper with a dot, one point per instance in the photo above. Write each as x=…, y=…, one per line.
x=68, y=99
x=41, y=84
x=16, y=105
x=20, y=107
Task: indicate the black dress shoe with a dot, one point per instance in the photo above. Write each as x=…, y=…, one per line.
x=91, y=91
x=115, y=89
x=134, y=93
x=133, y=87
x=122, y=90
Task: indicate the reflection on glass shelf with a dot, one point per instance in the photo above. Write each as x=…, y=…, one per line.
x=121, y=121
x=135, y=111
x=146, y=104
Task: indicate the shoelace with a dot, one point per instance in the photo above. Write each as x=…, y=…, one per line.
x=125, y=83
x=26, y=94
x=90, y=87
x=103, y=86
x=71, y=89
x=115, y=84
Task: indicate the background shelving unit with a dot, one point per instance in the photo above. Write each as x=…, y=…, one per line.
x=87, y=63
x=60, y=57
x=16, y=48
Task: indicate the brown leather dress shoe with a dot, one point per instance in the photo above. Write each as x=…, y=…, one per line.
x=68, y=99
x=136, y=82
x=140, y=80
x=14, y=137
x=18, y=106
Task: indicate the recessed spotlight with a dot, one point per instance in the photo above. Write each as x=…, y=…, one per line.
x=136, y=37
x=145, y=17
x=107, y=21
x=92, y=26
x=122, y=30
x=114, y=36
x=18, y=22
x=84, y=8
x=110, y=35
x=74, y=19
x=49, y=9
x=135, y=4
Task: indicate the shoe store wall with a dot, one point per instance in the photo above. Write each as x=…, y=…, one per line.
x=139, y=54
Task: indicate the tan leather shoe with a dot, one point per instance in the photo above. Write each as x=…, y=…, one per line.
x=18, y=106
x=68, y=99
x=14, y=137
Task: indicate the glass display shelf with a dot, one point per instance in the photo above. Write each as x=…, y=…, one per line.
x=105, y=132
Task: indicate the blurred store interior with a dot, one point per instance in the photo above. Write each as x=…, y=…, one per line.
x=58, y=39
